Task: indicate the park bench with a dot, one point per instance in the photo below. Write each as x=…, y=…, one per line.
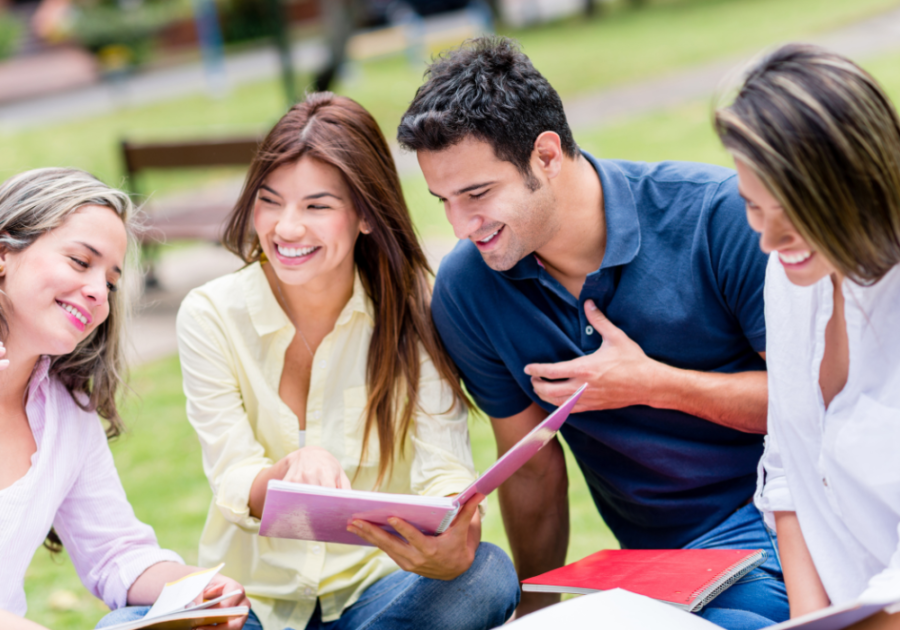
x=199, y=216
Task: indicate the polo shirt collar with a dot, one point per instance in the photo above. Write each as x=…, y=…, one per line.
x=267, y=315
x=623, y=228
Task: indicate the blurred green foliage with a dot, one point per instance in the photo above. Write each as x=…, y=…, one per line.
x=107, y=26
x=11, y=30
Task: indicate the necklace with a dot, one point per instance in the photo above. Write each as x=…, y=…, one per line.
x=287, y=311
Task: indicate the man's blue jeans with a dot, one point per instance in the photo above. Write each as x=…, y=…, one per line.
x=483, y=597
x=759, y=599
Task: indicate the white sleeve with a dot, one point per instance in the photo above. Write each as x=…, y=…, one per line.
x=885, y=586
x=109, y=546
x=772, y=491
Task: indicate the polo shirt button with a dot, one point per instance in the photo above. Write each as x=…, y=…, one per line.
x=322, y=364
x=317, y=414
x=316, y=549
x=589, y=330
x=308, y=592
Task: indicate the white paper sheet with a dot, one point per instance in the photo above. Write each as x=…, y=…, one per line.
x=616, y=610
x=177, y=595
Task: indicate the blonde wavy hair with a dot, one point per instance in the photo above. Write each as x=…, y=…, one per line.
x=36, y=202
x=824, y=138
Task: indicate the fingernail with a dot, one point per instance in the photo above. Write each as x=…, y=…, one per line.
x=590, y=305
x=527, y=367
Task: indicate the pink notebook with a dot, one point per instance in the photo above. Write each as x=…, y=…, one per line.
x=305, y=512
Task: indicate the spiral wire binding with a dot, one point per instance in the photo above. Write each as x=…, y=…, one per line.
x=712, y=589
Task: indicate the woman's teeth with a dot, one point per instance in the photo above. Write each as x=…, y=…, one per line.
x=488, y=238
x=793, y=258
x=290, y=252
x=74, y=311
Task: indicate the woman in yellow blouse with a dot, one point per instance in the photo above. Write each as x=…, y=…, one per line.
x=318, y=363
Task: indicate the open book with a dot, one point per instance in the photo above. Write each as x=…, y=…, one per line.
x=842, y=616
x=306, y=512
x=686, y=578
x=174, y=608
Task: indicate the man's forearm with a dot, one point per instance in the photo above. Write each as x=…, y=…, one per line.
x=738, y=400
x=535, y=508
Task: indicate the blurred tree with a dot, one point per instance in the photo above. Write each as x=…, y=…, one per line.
x=278, y=29
x=245, y=20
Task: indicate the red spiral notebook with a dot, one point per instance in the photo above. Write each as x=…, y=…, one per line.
x=687, y=578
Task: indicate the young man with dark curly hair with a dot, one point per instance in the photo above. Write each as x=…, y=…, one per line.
x=642, y=280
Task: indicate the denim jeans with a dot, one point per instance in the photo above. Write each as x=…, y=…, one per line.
x=759, y=599
x=483, y=597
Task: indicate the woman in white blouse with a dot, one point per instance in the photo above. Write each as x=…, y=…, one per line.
x=816, y=143
x=63, y=242
x=318, y=363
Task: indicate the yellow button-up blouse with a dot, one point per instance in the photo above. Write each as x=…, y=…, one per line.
x=232, y=337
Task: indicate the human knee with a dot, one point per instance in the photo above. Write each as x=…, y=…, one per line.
x=493, y=574
x=123, y=615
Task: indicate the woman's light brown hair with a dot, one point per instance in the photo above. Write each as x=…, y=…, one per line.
x=824, y=138
x=390, y=260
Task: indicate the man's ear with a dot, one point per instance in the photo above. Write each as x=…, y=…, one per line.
x=548, y=153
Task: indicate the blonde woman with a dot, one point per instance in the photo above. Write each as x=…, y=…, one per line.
x=63, y=242
x=816, y=143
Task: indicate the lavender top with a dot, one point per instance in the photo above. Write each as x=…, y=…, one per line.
x=72, y=485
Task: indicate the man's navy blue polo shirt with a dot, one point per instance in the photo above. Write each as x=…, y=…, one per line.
x=683, y=276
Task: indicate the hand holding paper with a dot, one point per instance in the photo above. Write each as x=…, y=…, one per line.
x=202, y=597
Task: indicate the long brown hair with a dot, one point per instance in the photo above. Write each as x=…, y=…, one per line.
x=392, y=266
x=824, y=138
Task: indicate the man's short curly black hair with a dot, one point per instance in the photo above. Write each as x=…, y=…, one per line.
x=486, y=88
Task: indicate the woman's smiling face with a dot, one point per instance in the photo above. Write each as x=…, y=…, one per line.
x=307, y=224
x=803, y=265
x=57, y=289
